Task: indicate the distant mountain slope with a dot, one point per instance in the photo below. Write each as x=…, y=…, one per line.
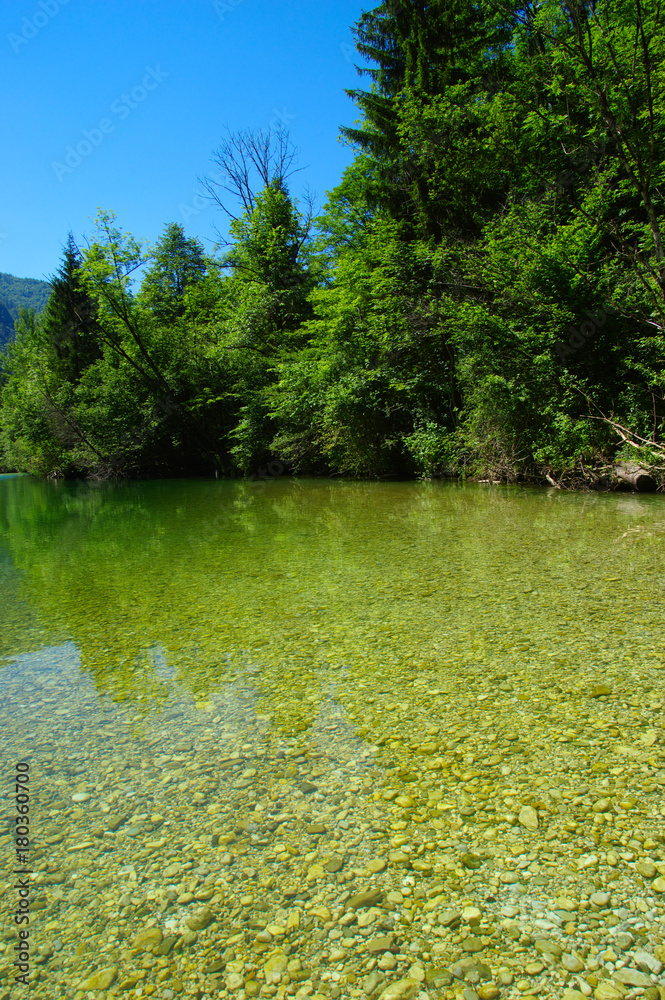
x=16, y=293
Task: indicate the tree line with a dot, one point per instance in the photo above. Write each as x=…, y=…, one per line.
x=482, y=294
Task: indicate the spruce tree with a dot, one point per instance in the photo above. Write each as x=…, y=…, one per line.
x=421, y=50
x=69, y=320
x=178, y=262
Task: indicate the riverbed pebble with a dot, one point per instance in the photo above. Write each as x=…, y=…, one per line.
x=434, y=828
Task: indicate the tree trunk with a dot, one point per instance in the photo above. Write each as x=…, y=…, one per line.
x=637, y=477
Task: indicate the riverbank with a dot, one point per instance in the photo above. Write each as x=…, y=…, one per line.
x=623, y=479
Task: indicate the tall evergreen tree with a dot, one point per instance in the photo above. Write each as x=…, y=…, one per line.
x=69, y=320
x=421, y=50
x=178, y=263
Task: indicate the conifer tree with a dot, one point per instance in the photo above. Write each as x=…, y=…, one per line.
x=421, y=50
x=178, y=262
x=69, y=320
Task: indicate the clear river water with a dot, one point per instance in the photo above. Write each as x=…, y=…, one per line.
x=218, y=685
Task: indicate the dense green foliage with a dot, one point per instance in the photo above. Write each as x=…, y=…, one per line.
x=484, y=292
x=17, y=294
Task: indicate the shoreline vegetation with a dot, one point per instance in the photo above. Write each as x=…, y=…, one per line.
x=482, y=296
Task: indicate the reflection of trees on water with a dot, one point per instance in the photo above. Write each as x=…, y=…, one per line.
x=16, y=615
x=190, y=584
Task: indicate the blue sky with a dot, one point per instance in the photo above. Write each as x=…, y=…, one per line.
x=118, y=104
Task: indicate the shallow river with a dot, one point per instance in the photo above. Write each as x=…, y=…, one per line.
x=243, y=705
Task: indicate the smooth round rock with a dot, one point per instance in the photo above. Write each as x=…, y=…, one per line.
x=100, y=980
x=528, y=817
x=148, y=938
x=608, y=991
x=199, y=921
x=471, y=915
x=631, y=977
x=546, y=947
x=571, y=963
x=277, y=963
x=403, y=989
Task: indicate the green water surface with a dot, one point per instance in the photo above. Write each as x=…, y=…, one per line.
x=166, y=587
x=195, y=667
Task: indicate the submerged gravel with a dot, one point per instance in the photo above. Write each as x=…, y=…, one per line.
x=432, y=830
x=334, y=740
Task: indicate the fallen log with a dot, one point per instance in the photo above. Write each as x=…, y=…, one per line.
x=637, y=477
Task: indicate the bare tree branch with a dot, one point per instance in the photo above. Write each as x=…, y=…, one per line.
x=248, y=162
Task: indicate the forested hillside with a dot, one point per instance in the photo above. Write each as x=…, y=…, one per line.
x=17, y=294
x=483, y=293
